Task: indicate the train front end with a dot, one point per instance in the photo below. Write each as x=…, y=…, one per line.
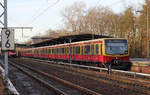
x=116, y=54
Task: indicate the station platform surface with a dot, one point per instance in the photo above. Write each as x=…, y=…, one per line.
x=140, y=65
x=3, y=91
x=140, y=61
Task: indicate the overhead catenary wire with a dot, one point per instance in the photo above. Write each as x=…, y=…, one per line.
x=40, y=14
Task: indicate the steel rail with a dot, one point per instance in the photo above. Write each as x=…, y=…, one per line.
x=99, y=68
x=83, y=89
x=126, y=83
x=39, y=80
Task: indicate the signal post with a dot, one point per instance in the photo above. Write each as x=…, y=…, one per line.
x=7, y=37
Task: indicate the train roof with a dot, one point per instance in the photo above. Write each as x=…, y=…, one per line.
x=67, y=39
x=75, y=43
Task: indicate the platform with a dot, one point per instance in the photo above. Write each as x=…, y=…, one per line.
x=140, y=65
x=2, y=86
x=140, y=61
x=11, y=89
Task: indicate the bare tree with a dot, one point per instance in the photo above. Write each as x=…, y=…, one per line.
x=73, y=17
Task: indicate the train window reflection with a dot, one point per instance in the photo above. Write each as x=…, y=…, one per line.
x=116, y=47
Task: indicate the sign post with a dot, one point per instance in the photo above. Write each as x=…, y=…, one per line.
x=7, y=39
x=7, y=45
x=6, y=52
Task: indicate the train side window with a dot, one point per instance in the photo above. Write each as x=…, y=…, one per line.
x=41, y=51
x=70, y=50
x=63, y=51
x=92, y=49
x=53, y=51
x=82, y=50
x=34, y=52
x=44, y=51
x=87, y=49
x=78, y=50
x=97, y=49
x=101, y=49
x=57, y=52
x=66, y=50
x=38, y=51
x=60, y=50
x=74, y=50
x=49, y=51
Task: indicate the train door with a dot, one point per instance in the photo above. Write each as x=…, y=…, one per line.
x=97, y=51
x=101, y=49
x=92, y=52
x=70, y=55
x=67, y=53
x=49, y=50
x=82, y=52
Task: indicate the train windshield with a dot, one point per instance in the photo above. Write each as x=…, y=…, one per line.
x=116, y=47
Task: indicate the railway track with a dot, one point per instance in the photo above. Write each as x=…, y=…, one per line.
x=128, y=74
x=61, y=86
x=122, y=84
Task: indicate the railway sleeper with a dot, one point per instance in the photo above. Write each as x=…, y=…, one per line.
x=130, y=81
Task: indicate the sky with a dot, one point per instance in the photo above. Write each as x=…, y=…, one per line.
x=46, y=14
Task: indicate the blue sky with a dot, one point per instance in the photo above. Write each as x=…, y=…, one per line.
x=23, y=13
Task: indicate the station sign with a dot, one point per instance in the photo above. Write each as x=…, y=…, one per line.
x=7, y=39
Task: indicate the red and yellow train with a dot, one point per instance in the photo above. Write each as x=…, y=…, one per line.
x=12, y=53
x=99, y=52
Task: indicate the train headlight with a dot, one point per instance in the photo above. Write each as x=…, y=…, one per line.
x=116, y=61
